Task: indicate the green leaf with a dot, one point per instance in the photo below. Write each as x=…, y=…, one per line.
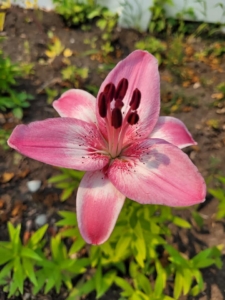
x=13, y=287
x=11, y=231
x=218, y=193
x=204, y=264
x=187, y=275
x=144, y=283
x=51, y=280
x=66, y=264
x=77, y=245
x=37, y=236
x=198, y=276
x=176, y=257
x=58, y=249
x=122, y=246
x=98, y=281
x=133, y=218
x=70, y=232
x=18, y=274
x=6, y=270
x=69, y=219
x=202, y=259
x=141, y=251
x=133, y=269
x=123, y=284
x=108, y=249
x=87, y=287
x=138, y=295
x=41, y=278
x=28, y=253
x=18, y=112
x=181, y=222
x=198, y=218
x=95, y=255
x=58, y=178
x=5, y=255
x=67, y=193
x=107, y=281
x=178, y=285
x=221, y=178
x=160, y=282
x=29, y=270
x=14, y=234
x=79, y=265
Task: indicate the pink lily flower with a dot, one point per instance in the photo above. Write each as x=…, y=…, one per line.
x=122, y=143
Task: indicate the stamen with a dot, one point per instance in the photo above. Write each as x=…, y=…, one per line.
x=109, y=91
x=117, y=118
x=133, y=118
x=121, y=89
x=102, y=105
x=119, y=104
x=136, y=99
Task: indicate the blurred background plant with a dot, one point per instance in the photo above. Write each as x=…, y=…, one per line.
x=84, y=14
x=10, y=99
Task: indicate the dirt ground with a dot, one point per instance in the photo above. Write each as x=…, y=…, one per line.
x=26, y=39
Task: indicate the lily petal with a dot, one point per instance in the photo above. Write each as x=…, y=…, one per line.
x=77, y=104
x=140, y=68
x=61, y=142
x=98, y=206
x=156, y=172
x=173, y=131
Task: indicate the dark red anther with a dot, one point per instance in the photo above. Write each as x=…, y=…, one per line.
x=109, y=91
x=117, y=118
x=102, y=105
x=121, y=89
x=119, y=104
x=133, y=118
x=136, y=99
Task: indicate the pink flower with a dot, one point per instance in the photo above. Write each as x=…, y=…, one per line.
x=122, y=143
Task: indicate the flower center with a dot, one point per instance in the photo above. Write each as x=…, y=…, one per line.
x=110, y=107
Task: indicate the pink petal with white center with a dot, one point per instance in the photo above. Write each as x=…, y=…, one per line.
x=140, y=68
x=98, y=206
x=61, y=142
x=77, y=104
x=156, y=172
x=173, y=131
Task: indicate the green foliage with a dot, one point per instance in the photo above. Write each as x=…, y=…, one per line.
x=139, y=234
x=51, y=95
x=77, y=12
x=74, y=75
x=68, y=181
x=83, y=12
x=154, y=46
x=170, y=54
x=107, y=22
x=139, y=241
x=19, y=260
x=9, y=98
x=32, y=262
x=219, y=194
x=158, y=21
x=4, y=135
x=221, y=88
